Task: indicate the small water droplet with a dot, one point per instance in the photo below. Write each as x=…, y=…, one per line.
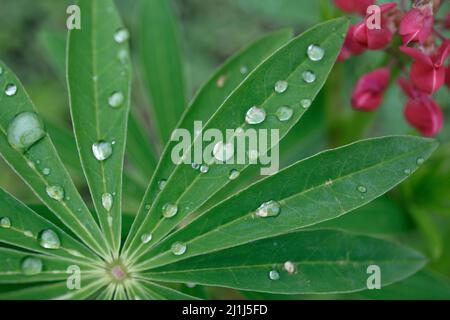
x=162, y=183
x=95, y=78
x=48, y=239
x=255, y=115
x=169, y=210
x=243, y=70
x=309, y=76
x=122, y=55
x=420, y=161
x=25, y=130
x=146, y=238
x=315, y=53
x=284, y=113
x=55, y=192
x=407, y=171
x=195, y=166
x=362, y=189
x=268, y=209
x=220, y=82
x=5, y=223
x=75, y=253
x=46, y=171
x=223, y=151
x=102, y=150
x=234, y=174
x=178, y=248
x=107, y=201
x=289, y=267
x=116, y=99
x=191, y=285
x=281, y=86
x=204, y=168
x=10, y=90
x=305, y=103
x=28, y=233
x=121, y=35
x=31, y=266
x=147, y=207
x=274, y=275
x=31, y=164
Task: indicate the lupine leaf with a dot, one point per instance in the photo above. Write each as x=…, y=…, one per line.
x=163, y=292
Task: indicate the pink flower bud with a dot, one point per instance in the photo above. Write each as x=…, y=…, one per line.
x=428, y=71
x=369, y=91
x=354, y=6
x=417, y=24
x=350, y=46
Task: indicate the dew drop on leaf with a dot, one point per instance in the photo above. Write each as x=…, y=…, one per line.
x=28, y=233
x=146, y=238
x=122, y=55
x=268, y=209
x=55, y=192
x=407, y=171
x=195, y=166
x=31, y=266
x=289, y=267
x=116, y=99
x=5, y=223
x=243, y=70
x=25, y=130
x=305, y=103
x=220, y=82
x=309, y=76
x=178, y=248
x=10, y=90
x=420, y=161
x=169, y=210
x=315, y=53
x=281, y=86
x=234, y=174
x=102, y=150
x=255, y=115
x=121, y=35
x=204, y=168
x=46, y=171
x=284, y=113
x=362, y=189
x=162, y=183
x=48, y=239
x=110, y=221
x=274, y=275
x=223, y=151
x=107, y=201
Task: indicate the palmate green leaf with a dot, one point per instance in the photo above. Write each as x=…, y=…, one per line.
x=25, y=227
x=99, y=68
x=313, y=190
x=162, y=69
x=208, y=98
x=188, y=188
x=30, y=165
x=324, y=261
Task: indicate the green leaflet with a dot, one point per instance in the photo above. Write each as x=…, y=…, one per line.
x=313, y=190
x=323, y=261
x=154, y=291
x=30, y=165
x=99, y=104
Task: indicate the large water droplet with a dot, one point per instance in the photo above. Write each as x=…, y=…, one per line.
x=223, y=151
x=55, y=192
x=362, y=189
x=162, y=183
x=121, y=35
x=25, y=130
x=102, y=150
x=48, y=239
x=31, y=266
x=116, y=99
x=268, y=209
x=146, y=238
x=5, y=223
x=204, y=168
x=169, y=210
x=195, y=166
x=255, y=115
x=46, y=171
x=107, y=201
x=274, y=275
x=289, y=267
x=309, y=76
x=284, y=113
x=281, y=86
x=178, y=248
x=10, y=90
x=234, y=174
x=420, y=161
x=305, y=103
x=315, y=53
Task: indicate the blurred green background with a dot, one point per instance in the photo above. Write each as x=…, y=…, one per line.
x=417, y=213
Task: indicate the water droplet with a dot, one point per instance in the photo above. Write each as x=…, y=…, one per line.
x=116, y=99
x=281, y=86
x=122, y=55
x=107, y=201
x=5, y=223
x=243, y=70
x=48, y=239
x=204, y=168
x=223, y=151
x=95, y=78
x=25, y=130
x=284, y=113
x=195, y=166
x=169, y=210
x=121, y=35
x=234, y=174
x=10, y=90
x=407, y=171
x=362, y=189
x=162, y=183
x=220, y=81
x=28, y=233
x=289, y=267
x=309, y=76
x=102, y=150
x=305, y=103
x=75, y=253
x=55, y=192
x=31, y=266
x=46, y=171
x=255, y=115
x=268, y=209
x=110, y=221
x=420, y=161
x=191, y=285
x=146, y=238
x=178, y=248
x=315, y=53
x=274, y=275
x=147, y=207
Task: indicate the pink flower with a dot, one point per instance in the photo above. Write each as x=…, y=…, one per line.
x=354, y=6
x=350, y=46
x=369, y=91
x=375, y=38
x=421, y=111
x=417, y=24
x=428, y=72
